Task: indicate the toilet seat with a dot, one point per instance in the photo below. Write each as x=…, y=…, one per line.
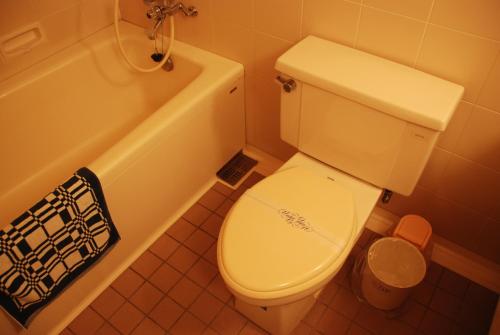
x=282, y=237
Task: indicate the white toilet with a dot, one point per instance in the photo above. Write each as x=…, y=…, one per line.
x=361, y=124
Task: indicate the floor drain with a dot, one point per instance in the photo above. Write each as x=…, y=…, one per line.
x=236, y=168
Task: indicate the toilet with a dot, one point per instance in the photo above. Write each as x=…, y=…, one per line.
x=361, y=124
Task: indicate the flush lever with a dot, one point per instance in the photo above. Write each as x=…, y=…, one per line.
x=287, y=84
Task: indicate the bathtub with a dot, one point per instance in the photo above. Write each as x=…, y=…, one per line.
x=154, y=140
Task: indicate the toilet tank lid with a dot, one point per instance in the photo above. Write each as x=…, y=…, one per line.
x=392, y=88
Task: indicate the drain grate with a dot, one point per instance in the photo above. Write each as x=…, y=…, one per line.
x=236, y=168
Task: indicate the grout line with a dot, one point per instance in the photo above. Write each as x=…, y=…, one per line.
x=358, y=25
x=483, y=84
x=424, y=34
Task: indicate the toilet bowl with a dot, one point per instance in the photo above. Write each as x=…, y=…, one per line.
x=361, y=124
x=287, y=236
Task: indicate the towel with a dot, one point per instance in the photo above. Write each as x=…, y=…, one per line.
x=47, y=247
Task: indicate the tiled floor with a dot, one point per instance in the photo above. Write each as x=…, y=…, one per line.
x=174, y=288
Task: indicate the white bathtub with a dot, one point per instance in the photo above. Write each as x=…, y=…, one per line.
x=154, y=140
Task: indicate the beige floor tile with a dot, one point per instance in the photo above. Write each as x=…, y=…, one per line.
x=212, y=199
x=165, y=277
x=454, y=283
x=346, y=303
x=435, y=324
x=252, y=329
x=87, y=322
x=146, y=264
x=371, y=319
x=146, y=297
x=164, y=246
x=107, y=329
x=199, y=241
x=330, y=290
x=210, y=331
x=197, y=214
x=314, y=315
x=413, y=313
x=423, y=293
x=108, y=302
x=302, y=329
x=228, y=322
x=395, y=327
x=434, y=273
x=357, y=330
x=166, y=313
x=445, y=303
x=182, y=259
x=253, y=179
x=126, y=318
x=181, y=230
x=148, y=327
x=185, y=292
x=333, y=323
x=222, y=189
x=212, y=225
x=218, y=288
x=211, y=254
x=206, y=307
x=188, y=325
x=202, y=272
x=225, y=207
x=238, y=192
x=127, y=283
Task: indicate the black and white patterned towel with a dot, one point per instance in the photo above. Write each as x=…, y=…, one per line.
x=52, y=243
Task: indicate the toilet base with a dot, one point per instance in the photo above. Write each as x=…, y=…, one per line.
x=280, y=319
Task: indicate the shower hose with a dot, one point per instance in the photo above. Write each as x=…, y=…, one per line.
x=122, y=51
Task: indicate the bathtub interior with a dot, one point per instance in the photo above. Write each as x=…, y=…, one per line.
x=67, y=114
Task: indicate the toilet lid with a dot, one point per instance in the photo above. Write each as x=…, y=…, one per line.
x=286, y=230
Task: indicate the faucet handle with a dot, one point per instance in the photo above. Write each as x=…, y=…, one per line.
x=154, y=13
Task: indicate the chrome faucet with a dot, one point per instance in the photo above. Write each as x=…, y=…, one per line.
x=159, y=11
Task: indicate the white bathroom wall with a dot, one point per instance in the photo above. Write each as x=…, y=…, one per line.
x=63, y=22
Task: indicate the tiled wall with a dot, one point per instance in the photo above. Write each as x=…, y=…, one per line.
x=63, y=22
x=457, y=40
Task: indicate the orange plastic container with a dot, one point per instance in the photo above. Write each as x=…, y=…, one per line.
x=415, y=229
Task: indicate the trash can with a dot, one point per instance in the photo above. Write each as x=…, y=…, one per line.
x=392, y=268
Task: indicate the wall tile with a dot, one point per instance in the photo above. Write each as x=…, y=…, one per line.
x=477, y=17
x=417, y=9
x=335, y=20
x=449, y=138
x=390, y=36
x=266, y=111
x=267, y=50
x=487, y=241
x=279, y=18
x=135, y=12
x=470, y=185
x=234, y=42
x=196, y=30
x=489, y=96
x=235, y=12
x=458, y=57
x=96, y=14
x=480, y=140
x=434, y=169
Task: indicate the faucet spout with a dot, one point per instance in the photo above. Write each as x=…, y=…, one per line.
x=154, y=30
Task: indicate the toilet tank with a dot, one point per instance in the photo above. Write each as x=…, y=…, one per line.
x=372, y=118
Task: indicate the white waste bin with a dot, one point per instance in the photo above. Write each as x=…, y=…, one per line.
x=392, y=268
